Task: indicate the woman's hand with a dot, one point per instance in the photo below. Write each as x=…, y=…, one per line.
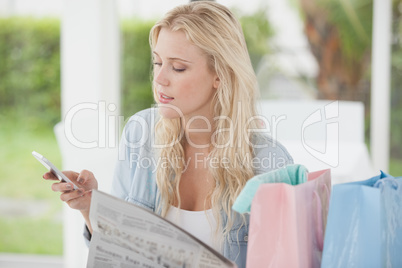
x=77, y=199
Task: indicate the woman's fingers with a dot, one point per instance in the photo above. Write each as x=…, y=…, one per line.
x=62, y=187
x=70, y=174
x=87, y=180
x=67, y=196
x=77, y=199
x=84, y=176
x=49, y=176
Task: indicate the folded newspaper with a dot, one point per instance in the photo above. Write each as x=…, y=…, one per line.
x=125, y=235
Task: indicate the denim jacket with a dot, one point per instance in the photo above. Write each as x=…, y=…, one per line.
x=135, y=182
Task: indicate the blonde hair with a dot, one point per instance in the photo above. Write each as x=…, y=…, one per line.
x=214, y=29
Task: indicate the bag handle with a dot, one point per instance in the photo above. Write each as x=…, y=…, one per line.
x=383, y=181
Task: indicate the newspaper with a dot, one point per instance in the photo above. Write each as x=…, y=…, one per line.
x=125, y=235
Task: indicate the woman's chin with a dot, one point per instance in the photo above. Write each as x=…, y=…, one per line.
x=169, y=111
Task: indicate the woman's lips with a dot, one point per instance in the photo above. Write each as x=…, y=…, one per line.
x=164, y=98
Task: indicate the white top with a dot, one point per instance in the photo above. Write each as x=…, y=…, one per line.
x=201, y=224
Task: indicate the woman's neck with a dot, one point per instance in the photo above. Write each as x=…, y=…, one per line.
x=198, y=132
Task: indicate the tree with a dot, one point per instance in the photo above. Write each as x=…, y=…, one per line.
x=339, y=34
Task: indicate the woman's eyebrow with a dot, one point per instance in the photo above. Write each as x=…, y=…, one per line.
x=173, y=58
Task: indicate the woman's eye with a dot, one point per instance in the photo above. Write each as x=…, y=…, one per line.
x=179, y=69
x=176, y=69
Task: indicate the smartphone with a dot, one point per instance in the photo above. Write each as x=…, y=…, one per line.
x=52, y=168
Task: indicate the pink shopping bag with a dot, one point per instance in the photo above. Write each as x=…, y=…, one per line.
x=287, y=223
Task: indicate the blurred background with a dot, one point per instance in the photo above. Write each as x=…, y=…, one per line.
x=300, y=50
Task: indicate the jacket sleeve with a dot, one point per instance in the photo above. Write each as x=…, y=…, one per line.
x=269, y=155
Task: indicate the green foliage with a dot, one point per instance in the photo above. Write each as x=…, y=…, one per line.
x=136, y=62
x=395, y=167
x=257, y=31
x=396, y=82
x=30, y=68
x=353, y=19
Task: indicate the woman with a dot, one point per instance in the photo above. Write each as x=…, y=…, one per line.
x=189, y=158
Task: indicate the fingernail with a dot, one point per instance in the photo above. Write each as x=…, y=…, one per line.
x=68, y=187
x=80, y=180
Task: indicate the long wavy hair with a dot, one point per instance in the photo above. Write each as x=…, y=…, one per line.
x=214, y=29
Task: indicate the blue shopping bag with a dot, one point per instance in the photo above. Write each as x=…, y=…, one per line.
x=364, y=224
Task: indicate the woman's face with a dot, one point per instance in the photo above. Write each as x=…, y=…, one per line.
x=183, y=83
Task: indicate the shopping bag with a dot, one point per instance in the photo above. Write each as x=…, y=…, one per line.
x=287, y=222
x=293, y=174
x=365, y=224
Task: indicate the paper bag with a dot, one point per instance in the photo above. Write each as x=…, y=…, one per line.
x=365, y=224
x=287, y=223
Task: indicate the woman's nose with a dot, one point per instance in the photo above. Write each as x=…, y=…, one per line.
x=160, y=76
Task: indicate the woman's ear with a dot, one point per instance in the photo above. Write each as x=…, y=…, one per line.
x=216, y=82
